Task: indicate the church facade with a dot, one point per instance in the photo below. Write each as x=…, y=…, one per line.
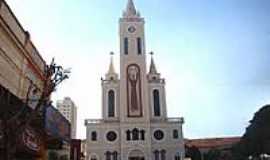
x=134, y=124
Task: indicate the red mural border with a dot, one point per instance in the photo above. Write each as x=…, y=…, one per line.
x=140, y=91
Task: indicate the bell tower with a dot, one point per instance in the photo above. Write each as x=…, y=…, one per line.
x=133, y=78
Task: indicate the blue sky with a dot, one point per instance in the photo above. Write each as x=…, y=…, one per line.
x=214, y=54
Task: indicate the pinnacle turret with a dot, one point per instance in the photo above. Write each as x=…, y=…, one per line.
x=153, y=69
x=111, y=74
x=111, y=68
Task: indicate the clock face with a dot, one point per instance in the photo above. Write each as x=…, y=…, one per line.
x=131, y=29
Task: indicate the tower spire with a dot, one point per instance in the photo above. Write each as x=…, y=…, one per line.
x=111, y=74
x=111, y=68
x=130, y=10
x=153, y=69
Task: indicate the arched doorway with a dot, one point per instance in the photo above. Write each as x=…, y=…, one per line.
x=136, y=155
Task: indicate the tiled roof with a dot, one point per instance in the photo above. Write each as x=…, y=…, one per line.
x=212, y=142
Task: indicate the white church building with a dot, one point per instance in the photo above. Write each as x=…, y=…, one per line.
x=134, y=124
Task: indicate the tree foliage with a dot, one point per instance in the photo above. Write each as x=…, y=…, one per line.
x=193, y=153
x=53, y=155
x=256, y=140
x=64, y=157
x=213, y=154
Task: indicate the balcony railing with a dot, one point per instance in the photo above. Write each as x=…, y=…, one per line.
x=99, y=121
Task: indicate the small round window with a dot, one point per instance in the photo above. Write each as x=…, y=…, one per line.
x=111, y=136
x=159, y=135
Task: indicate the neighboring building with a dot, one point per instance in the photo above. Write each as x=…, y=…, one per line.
x=22, y=73
x=20, y=62
x=224, y=145
x=76, y=149
x=134, y=124
x=69, y=110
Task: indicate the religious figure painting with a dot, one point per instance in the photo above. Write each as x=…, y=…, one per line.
x=134, y=91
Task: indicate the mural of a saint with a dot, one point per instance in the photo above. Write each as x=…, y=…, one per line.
x=134, y=91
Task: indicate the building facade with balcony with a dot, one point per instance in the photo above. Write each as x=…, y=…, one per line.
x=134, y=124
x=21, y=65
x=24, y=134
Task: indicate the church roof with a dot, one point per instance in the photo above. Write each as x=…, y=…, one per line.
x=208, y=143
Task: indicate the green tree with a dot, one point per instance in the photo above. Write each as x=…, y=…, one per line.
x=193, y=153
x=53, y=155
x=256, y=140
x=213, y=154
x=64, y=157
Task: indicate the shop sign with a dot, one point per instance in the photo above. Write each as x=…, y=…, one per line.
x=56, y=125
x=29, y=141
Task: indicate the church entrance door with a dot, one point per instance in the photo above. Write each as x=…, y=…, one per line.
x=136, y=158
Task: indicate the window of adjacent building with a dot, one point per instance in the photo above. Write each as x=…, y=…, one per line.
x=94, y=136
x=175, y=134
x=139, y=45
x=156, y=102
x=111, y=103
x=126, y=45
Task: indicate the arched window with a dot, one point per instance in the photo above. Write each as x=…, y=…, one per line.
x=108, y=155
x=111, y=155
x=111, y=103
x=156, y=154
x=94, y=136
x=135, y=134
x=139, y=45
x=177, y=156
x=175, y=134
x=128, y=135
x=163, y=154
x=142, y=132
x=115, y=155
x=126, y=45
x=156, y=102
